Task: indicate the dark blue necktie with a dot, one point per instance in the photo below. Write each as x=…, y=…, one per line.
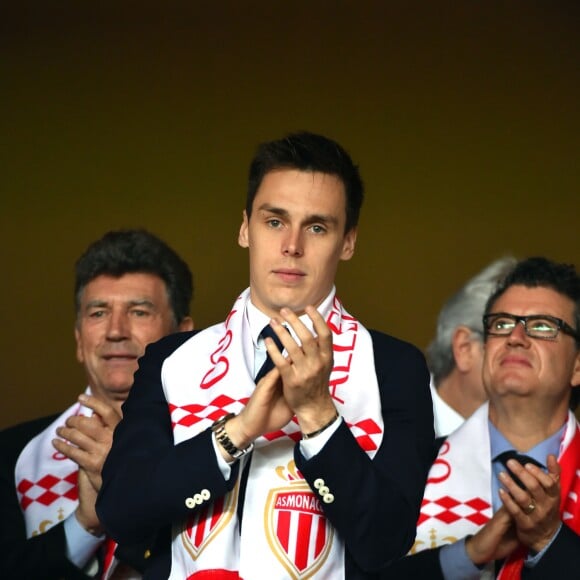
x=268, y=364
x=523, y=459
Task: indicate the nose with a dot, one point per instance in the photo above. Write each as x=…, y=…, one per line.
x=518, y=335
x=118, y=327
x=292, y=244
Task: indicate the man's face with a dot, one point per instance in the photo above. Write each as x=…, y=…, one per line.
x=296, y=239
x=118, y=318
x=520, y=366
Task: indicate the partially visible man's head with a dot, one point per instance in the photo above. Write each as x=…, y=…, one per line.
x=131, y=289
x=312, y=153
x=136, y=250
x=543, y=273
x=532, y=337
x=464, y=309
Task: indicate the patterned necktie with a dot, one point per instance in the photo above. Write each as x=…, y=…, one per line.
x=523, y=459
x=268, y=364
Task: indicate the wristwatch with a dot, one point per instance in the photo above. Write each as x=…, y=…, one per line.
x=219, y=428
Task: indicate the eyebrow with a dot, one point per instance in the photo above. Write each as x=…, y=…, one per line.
x=105, y=304
x=313, y=218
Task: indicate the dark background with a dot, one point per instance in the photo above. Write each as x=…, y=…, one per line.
x=463, y=116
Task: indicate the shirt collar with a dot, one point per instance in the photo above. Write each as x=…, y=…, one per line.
x=551, y=445
x=257, y=319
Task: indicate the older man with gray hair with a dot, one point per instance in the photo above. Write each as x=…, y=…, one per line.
x=455, y=355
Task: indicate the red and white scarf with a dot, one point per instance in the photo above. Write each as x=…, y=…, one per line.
x=284, y=533
x=46, y=480
x=457, y=499
x=46, y=483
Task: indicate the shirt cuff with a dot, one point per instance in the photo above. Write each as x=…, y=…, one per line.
x=531, y=561
x=223, y=465
x=456, y=564
x=310, y=447
x=80, y=544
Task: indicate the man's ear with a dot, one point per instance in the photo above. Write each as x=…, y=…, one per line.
x=464, y=348
x=243, y=235
x=348, y=244
x=78, y=340
x=186, y=324
x=575, y=381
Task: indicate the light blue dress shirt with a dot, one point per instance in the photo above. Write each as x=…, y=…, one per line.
x=455, y=563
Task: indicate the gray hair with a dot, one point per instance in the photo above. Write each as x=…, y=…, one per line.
x=465, y=308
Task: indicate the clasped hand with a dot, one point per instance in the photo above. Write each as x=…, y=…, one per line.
x=528, y=516
x=296, y=386
x=87, y=441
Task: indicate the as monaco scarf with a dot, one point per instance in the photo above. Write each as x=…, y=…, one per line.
x=284, y=533
x=46, y=482
x=458, y=501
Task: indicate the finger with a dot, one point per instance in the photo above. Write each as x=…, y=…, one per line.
x=90, y=426
x=108, y=414
x=71, y=451
x=315, y=341
x=521, y=497
x=272, y=377
x=554, y=468
x=544, y=483
x=536, y=481
x=321, y=328
x=527, y=475
x=280, y=361
x=513, y=507
x=306, y=341
x=76, y=437
x=519, y=502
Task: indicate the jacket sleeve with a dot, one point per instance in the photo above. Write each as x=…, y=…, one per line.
x=423, y=564
x=560, y=559
x=376, y=502
x=146, y=478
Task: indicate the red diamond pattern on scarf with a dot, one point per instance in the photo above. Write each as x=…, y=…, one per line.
x=365, y=432
x=453, y=510
x=48, y=489
x=295, y=436
x=188, y=415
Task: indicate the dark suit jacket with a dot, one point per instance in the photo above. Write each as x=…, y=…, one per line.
x=146, y=477
x=559, y=561
x=42, y=557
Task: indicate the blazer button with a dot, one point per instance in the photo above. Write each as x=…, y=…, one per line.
x=190, y=502
x=323, y=490
x=328, y=498
x=205, y=494
x=318, y=483
x=198, y=499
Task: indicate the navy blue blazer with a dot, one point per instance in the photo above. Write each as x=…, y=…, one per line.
x=146, y=477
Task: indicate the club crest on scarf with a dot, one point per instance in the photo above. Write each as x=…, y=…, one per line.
x=298, y=532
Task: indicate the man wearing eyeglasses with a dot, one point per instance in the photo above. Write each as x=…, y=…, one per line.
x=503, y=494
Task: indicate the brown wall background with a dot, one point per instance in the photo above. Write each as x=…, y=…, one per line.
x=463, y=117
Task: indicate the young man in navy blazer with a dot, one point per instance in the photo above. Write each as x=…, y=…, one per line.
x=314, y=467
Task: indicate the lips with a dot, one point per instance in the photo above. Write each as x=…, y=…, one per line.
x=289, y=274
x=515, y=360
x=121, y=357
